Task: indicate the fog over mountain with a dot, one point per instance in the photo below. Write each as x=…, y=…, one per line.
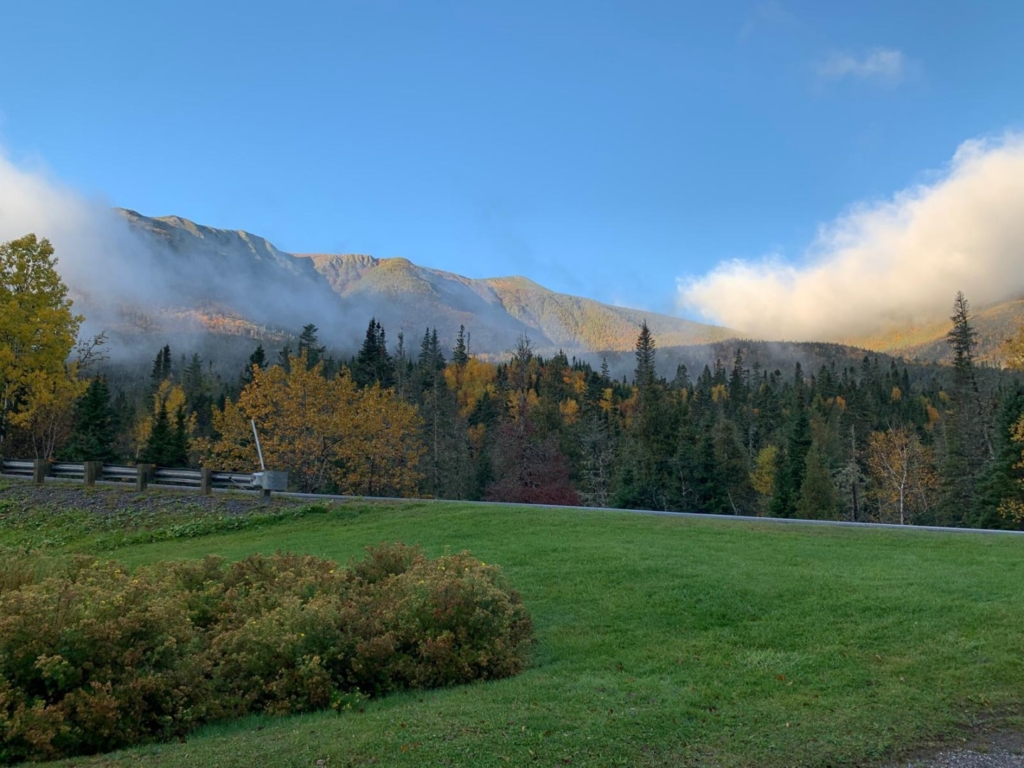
x=129, y=273
x=140, y=277
x=888, y=264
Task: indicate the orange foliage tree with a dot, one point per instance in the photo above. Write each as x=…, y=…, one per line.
x=327, y=433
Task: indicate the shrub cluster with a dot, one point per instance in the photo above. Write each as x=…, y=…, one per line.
x=97, y=657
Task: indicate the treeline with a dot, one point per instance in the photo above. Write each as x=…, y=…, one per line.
x=853, y=442
x=866, y=441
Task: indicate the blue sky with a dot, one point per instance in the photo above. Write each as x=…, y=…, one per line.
x=603, y=149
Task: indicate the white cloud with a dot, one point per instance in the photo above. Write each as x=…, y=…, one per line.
x=886, y=264
x=881, y=65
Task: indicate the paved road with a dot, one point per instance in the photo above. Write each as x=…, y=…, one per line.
x=659, y=513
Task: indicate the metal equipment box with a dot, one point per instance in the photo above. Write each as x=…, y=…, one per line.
x=270, y=481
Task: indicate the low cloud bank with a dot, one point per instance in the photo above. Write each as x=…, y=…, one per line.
x=112, y=267
x=92, y=245
x=887, y=264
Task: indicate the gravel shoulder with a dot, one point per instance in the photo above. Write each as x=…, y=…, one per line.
x=108, y=499
x=1000, y=749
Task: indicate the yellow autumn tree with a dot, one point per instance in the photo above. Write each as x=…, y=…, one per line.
x=762, y=476
x=37, y=335
x=470, y=382
x=46, y=416
x=169, y=396
x=901, y=469
x=326, y=432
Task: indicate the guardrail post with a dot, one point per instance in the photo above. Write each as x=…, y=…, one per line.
x=40, y=469
x=91, y=472
x=143, y=476
x=206, y=481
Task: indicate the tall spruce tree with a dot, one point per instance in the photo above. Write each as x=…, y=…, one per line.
x=178, y=445
x=284, y=358
x=95, y=428
x=819, y=498
x=1003, y=479
x=160, y=445
x=373, y=363
x=168, y=444
x=258, y=359
x=161, y=366
x=309, y=343
x=965, y=430
x=793, y=460
x=460, y=353
x=647, y=452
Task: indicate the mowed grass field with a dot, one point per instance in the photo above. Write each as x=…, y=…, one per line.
x=664, y=642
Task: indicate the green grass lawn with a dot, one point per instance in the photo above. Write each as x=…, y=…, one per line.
x=664, y=641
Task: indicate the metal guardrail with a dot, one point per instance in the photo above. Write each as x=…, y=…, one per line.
x=19, y=468
x=143, y=475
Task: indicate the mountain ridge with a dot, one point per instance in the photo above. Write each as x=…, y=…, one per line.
x=348, y=289
x=234, y=282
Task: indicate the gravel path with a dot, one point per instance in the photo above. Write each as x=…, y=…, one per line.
x=994, y=750
x=968, y=758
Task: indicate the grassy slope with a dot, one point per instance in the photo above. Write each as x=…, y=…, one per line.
x=666, y=642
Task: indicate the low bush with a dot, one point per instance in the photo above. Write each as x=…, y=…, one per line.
x=96, y=657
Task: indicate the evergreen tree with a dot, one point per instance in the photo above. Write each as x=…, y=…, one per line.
x=737, y=384
x=735, y=494
x=966, y=439
x=403, y=366
x=850, y=481
x=160, y=445
x=95, y=425
x=645, y=375
x=430, y=363
x=284, y=358
x=962, y=338
x=645, y=479
x=682, y=378
x=460, y=353
x=308, y=343
x=168, y=444
x=597, y=463
x=178, y=444
x=794, y=462
x=193, y=381
x=447, y=465
x=257, y=359
x=161, y=366
x=1003, y=480
x=373, y=363
x=819, y=499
